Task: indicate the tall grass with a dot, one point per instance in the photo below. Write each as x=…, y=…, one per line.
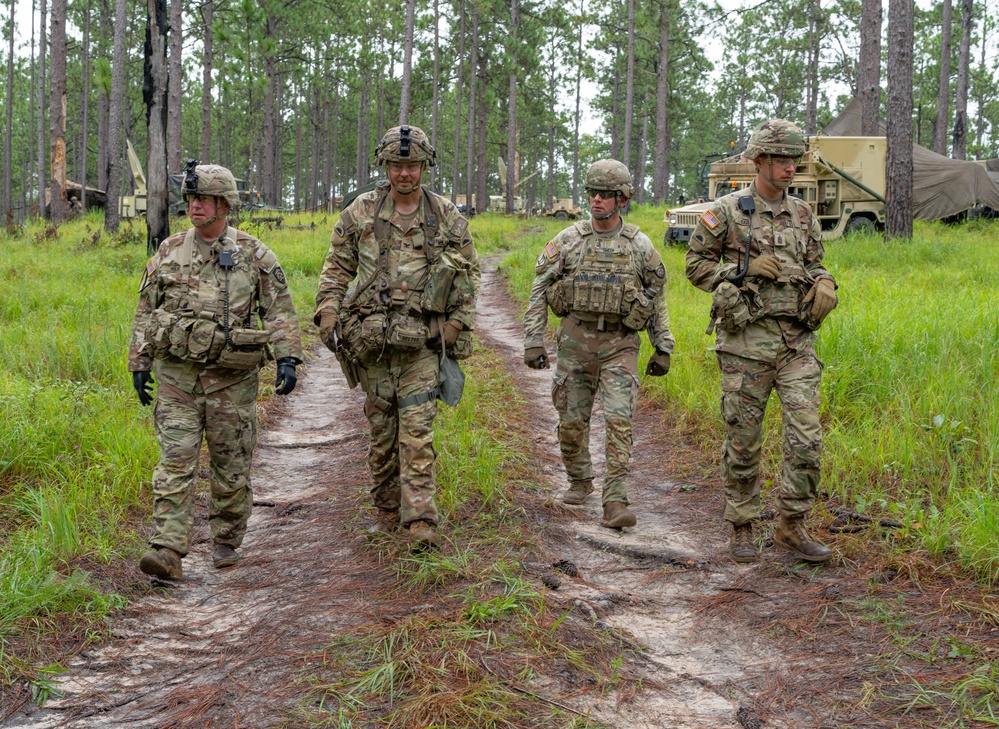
x=909, y=397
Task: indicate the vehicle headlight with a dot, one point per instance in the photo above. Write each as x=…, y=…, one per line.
x=672, y=218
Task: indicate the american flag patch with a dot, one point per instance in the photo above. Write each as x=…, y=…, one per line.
x=150, y=266
x=710, y=220
x=551, y=251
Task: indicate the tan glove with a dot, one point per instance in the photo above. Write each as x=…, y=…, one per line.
x=823, y=298
x=765, y=266
x=452, y=328
x=658, y=364
x=327, y=324
x=536, y=358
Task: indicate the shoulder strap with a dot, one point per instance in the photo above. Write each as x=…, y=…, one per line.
x=186, y=256
x=629, y=230
x=431, y=225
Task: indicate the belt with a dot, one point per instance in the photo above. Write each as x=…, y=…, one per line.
x=600, y=325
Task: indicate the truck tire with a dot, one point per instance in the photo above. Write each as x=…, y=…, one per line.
x=859, y=224
x=561, y=216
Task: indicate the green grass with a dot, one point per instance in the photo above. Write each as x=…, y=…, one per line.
x=909, y=396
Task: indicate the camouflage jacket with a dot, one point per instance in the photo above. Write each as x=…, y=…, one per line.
x=258, y=290
x=355, y=252
x=718, y=245
x=562, y=257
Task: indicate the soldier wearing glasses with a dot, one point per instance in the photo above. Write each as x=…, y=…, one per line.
x=606, y=281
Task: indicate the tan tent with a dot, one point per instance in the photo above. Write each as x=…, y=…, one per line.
x=941, y=186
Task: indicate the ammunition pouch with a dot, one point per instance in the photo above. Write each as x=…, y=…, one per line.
x=640, y=313
x=406, y=332
x=171, y=334
x=780, y=299
x=559, y=296
x=437, y=292
x=370, y=337
x=729, y=309
x=594, y=293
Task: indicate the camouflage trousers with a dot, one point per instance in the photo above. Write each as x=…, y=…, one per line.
x=590, y=361
x=227, y=419
x=746, y=387
x=401, y=455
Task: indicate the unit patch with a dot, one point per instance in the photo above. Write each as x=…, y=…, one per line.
x=710, y=220
x=279, y=275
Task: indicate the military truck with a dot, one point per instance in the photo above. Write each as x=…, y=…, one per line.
x=841, y=178
x=563, y=209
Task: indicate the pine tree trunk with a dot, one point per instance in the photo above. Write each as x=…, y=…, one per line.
x=981, y=87
x=176, y=89
x=869, y=69
x=629, y=93
x=154, y=92
x=315, y=135
x=640, y=162
x=511, y=131
x=57, y=113
x=407, y=62
x=435, y=102
x=579, y=82
x=84, y=107
x=8, y=148
x=116, y=113
x=660, y=181
x=814, y=48
x=943, y=93
x=42, y=156
x=481, y=118
x=362, y=134
x=297, y=205
x=206, y=81
x=961, y=95
x=472, y=90
x=898, y=210
x=29, y=173
x=457, y=101
x=615, y=114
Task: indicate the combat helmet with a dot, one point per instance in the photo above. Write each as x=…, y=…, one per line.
x=609, y=174
x=211, y=180
x=777, y=137
x=405, y=144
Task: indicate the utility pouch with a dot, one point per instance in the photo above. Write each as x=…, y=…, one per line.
x=158, y=330
x=781, y=299
x=350, y=335
x=805, y=316
x=372, y=336
x=558, y=296
x=438, y=289
x=462, y=348
x=201, y=341
x=729, y=310
x=452, y=381
x=249, y=352
x=406, y=332
x=639, y=314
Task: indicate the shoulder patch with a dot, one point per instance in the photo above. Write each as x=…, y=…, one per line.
x=150, y=267
x=551, y=250
x=710, y=220
x=279, y=276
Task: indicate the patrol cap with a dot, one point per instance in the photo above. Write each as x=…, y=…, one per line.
x=405, y=144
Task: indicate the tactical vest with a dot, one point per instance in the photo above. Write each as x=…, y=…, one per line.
x=207, y=328
x=782, y=297
x=605, y=287
x=386, y=311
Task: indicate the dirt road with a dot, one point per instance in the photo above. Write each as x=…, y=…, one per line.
x=763, y=645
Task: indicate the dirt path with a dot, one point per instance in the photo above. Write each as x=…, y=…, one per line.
x=724, y=646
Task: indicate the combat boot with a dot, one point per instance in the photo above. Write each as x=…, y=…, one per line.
x=741, y=546
x=162, y=562
x=422, y=535
x=617, y=515
x=577, y=493
x=792, y=534
x=384, y=521
x=224, y=555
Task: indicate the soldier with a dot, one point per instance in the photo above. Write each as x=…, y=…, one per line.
x=417, y=280
x=196, y=326
x=759, y=251
x=606, y=281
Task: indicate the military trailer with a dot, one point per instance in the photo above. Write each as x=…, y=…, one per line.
x=841, y=178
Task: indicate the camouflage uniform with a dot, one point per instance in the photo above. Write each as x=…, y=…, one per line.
x=598, y=351
x=413, y=274
x=178, y=332
x=765, y=340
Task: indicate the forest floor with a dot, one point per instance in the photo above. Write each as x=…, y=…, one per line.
x=863, y=641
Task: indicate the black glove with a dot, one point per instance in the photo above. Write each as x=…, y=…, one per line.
x=286, y=377
x=658, y=364
x=142, y=381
